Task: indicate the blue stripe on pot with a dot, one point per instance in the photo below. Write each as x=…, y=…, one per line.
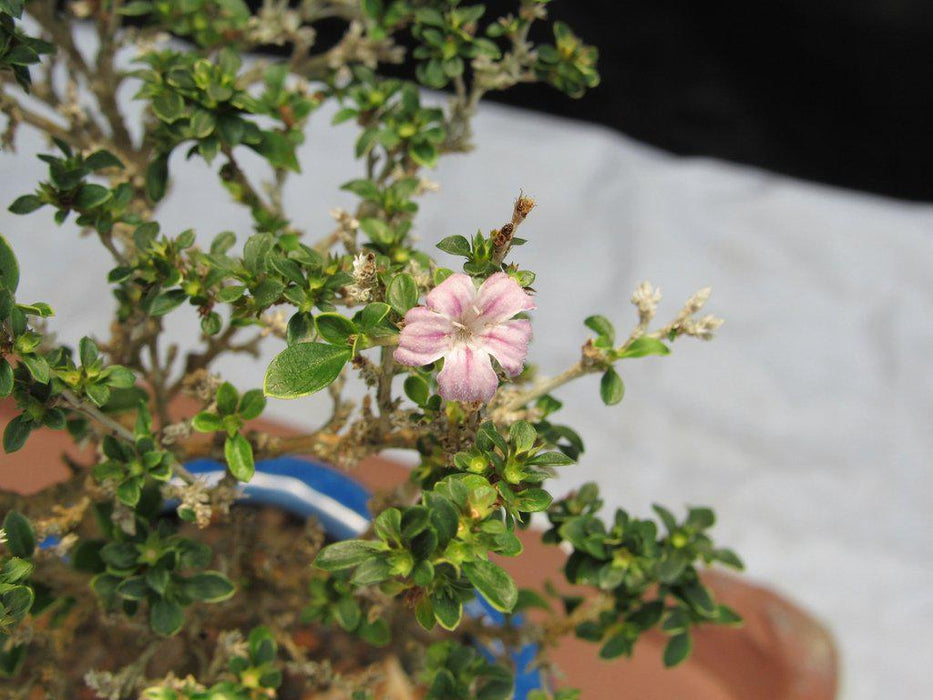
x=306, y=488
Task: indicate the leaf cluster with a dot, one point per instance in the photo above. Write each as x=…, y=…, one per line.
x=153, y=567
x=651, y=577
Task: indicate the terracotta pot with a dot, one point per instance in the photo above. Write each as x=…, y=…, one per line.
x=781, y=653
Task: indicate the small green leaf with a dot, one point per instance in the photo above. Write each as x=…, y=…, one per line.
x=402, y=293
x=168, y=106
x=611, y=387
x=9, y=268
x=38, y=367
x=90, y=196
x=239, y=455
x=100, y=160
x=495, y=585
x=166, y=301
x=21, y=540
x=602, y=327
x=16, y=432
x=206, y=422
x=252, y=404
x=677, y=649
x=6, y=378
x=335, y=328
x=456, y=245
x=640, y=347
x=227, y=398
x=346, y=554
x=209, y=587
x=416, y=388
x=522, y=435
x=26, y=204
x=303, y=369
x=166, y=618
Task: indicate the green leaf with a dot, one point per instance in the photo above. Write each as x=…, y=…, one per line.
x=495, y=585
x=38, y=367
x=303, y=369
x=166, y=301
x=677, y=649
x=169, y=106
x=87, y=351
x=416, y=388
x=388, y=525
x=157, y=177
x=522, y=435
x=700, y=599
x=9, y=268
x=611, y=387
x=90, y=196
x=100, y=160
x=447, y=611
x=252, y=404
x=402, y=293
x=227, y=398
x=209, y=587
x=16, y=432
x=166, y=618
x=348, y=613
x=239, y=455
x=26, y=204
x=602, y=327
x=533, y=500
x=6, y=378
x=21, y=540
x=206, y=422
x=456, y=245
x=640, y=347
x=335, y=328
x=346, y=554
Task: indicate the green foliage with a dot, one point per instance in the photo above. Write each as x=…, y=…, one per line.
x=303, y=369
x=230, y=414
x=68, y=190
x=448, y=39
x=202, y=101
x=480, y=256
x=17, y=594
x=255, y=675
x=568, y=64
x=129, y=467
x=456, y=672
x=393, y=120
x=152, y=566
x=18, y=51
x=209, y=23
x=651, y=578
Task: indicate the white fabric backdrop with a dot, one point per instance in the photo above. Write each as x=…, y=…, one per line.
x=806, y=424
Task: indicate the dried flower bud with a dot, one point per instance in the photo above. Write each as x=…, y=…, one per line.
x=523, y=207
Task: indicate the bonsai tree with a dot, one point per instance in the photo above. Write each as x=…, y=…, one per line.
x=136, y=555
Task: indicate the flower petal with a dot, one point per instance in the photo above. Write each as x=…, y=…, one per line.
x=508, y=343
x=501, y=297
x=453, y=296
x=467, y=375
x=424, y=338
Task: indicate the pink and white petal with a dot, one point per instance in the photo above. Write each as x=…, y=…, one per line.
x=424, y=338
x=453, y=296
x=508, y=343
x=467, y=375
x=500, y=297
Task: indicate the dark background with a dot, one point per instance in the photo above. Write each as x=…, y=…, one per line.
x=834, y=91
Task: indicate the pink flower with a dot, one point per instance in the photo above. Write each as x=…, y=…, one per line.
x=466, y=325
